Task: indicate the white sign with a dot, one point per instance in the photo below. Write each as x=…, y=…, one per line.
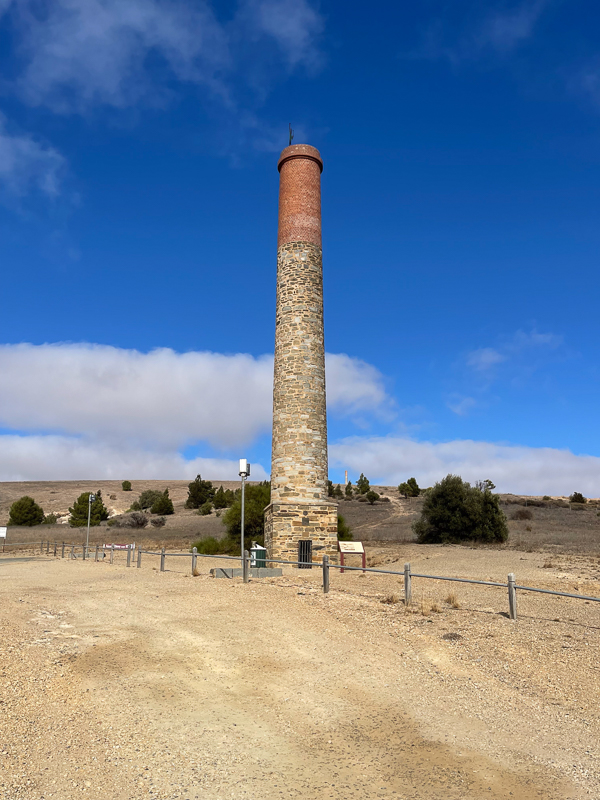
x=2, y=533
x=351, y=547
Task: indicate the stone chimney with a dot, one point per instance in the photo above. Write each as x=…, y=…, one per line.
x=301, y=522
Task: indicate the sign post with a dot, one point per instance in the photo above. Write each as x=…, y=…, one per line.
x=349, y=548
x=3, y=537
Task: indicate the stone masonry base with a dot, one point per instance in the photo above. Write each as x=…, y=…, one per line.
x=288, y=523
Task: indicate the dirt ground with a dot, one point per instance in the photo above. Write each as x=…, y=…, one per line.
x=126, y=683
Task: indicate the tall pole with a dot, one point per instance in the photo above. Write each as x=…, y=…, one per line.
x=91, y=498
x=242, y=520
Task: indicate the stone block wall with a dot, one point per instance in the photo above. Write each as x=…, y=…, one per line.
x=288, y=523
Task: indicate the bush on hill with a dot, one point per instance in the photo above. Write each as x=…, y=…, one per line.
x=79, y=512
x=163, y=504
x=199, y=492
x=26, y=512
x=257, y=498
x=455, y=511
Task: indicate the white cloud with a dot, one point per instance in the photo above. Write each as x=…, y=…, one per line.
x=504, y=30
x=293, y=24
x=513, y=468
x=27, y=165
x=461, y=405
x=82, y=53
x=34, y=458
x=154, y=403
x=484, y=358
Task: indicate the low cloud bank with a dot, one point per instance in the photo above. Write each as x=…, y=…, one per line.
x=61, y=458
x=513, y=468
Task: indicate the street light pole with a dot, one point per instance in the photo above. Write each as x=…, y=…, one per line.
x=244, y=473
x=91, y=499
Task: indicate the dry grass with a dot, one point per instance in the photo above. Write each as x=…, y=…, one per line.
x=452, y=600
x=391, y=599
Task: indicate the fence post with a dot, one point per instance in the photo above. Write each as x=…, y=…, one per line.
x=129, y=556
x=325, y=574
x=72, y=551
x=162, y=560
x=42, y=546
x=512, y=596
x=194, y=559
x=55, y=549
x=63, y=550
x=96, y=556
x=407, y=585
x=139, y=564
x=246, y=566
x=84, y=552
x=112, y=554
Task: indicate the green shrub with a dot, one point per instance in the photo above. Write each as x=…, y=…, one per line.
x=158, y=522
x=337, y=492
x=79, y=512
x=546, y=497
x=126, y=486
x=330, y=489
x=372, y=496
x=362, y=484
x=349, y=491
x=26, y=512
x=410, y=488
x=199, y=492
x=344, y=533
x=220, y=499
x=210, y=546
x=135, y=520
x=577, y=497
x=50, y=519
x=257, y=498
x=163, y=504
x=147, y=498
x=455, y=511
x=205, y=508
x=522, y=513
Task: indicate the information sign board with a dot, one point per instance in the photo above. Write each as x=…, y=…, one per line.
x=351, y=547
x=2, y=533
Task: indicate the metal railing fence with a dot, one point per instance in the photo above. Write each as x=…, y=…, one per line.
x=511, y=585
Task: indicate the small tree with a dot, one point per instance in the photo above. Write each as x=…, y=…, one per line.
x=257, y=498
x=163, y=505
x=372, y=496
x=577, y=497
x=147, y=499
x=126, y=486
x=348, y=490
x=79, y=512
x=337, y=492
x=410, y=488
x=362, y=484
x=25, y=512
x=220, y=500
x=330, y=489
x=205, y=508
x=344, y=534
x=199, y=492
x=455, y=511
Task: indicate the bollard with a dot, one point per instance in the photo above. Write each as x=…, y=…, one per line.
x=48, y=547
x=54, y=549
x=407, y=585
x=139, y=564
x=84, y=548
x=72, y=551
x=162, y=560
x=63, y=550
x=96, y=556
x=194, y=559
x=512, y=596
x=112, y=554
x=129, y=556
x=246, y=566
x=325, y=574
x=41, y=547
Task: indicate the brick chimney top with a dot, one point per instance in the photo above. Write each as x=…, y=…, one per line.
x=300, y=151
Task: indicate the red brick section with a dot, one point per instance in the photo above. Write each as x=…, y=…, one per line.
x=300, y=167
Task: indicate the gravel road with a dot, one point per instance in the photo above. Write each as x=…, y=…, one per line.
x=125, y=683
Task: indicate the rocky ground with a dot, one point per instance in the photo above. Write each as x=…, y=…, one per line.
x=126, y=683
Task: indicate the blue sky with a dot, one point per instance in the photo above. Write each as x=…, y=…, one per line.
x=138, y=211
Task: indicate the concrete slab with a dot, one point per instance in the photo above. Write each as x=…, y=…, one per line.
x=236, y=572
